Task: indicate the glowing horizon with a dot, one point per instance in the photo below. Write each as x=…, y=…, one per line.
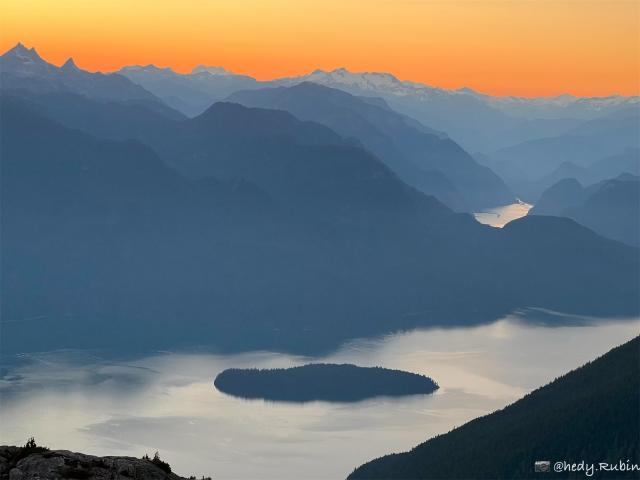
x=531, y=48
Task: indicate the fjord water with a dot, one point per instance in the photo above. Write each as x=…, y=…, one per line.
x=500, y=216
x=167, y=402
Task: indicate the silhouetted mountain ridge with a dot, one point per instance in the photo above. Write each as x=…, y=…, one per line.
x=422, y=157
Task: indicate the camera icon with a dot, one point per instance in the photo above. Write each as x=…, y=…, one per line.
x=542, y=466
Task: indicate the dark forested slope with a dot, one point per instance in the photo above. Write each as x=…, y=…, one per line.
x=591, y=414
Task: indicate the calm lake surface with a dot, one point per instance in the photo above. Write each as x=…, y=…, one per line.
x=500, y=216
x=167, y=402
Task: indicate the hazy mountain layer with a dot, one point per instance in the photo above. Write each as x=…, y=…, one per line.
x=104, y=245
x=583, y=145
x=190, y=93
x=610, y=208
x=478, y=122
x=422, y=157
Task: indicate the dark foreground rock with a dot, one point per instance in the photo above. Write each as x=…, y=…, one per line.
x=63, y=464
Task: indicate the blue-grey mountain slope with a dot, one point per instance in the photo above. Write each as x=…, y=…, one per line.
x=309, y=240
x=610, y=207
x=583, y=145
x=422, y=157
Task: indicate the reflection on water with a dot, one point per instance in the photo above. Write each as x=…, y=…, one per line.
x=167, y=402
x=500, y=216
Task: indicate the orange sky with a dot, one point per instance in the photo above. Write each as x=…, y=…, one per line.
x=508, y=47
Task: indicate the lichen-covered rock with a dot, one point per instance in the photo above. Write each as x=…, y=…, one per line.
x=63, y=464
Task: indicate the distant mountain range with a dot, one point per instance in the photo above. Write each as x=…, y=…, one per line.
x=610, y=207
x=424, y=158
x=523, y=139
x=510, y=132
x=247, y=227
x=318, y=239
x=479, y=122
x=190, y=93
x=586, y=144
x=563, y=106
x=589, y=415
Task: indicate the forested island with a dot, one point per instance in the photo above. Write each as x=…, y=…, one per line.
x=321, y=381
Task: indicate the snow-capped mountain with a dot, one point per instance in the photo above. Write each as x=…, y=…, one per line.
x=479, y=122
x=464, y=116
x=367, y=83
x=387, y=84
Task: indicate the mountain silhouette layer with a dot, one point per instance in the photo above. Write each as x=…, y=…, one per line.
x=422, y=157
x=317, y=239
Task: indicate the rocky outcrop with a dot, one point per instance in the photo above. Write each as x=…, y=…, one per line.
x=63, y=464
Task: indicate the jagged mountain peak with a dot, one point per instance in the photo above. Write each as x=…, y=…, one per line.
x=22, y=63
x=70, y=64
x=23, y=53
